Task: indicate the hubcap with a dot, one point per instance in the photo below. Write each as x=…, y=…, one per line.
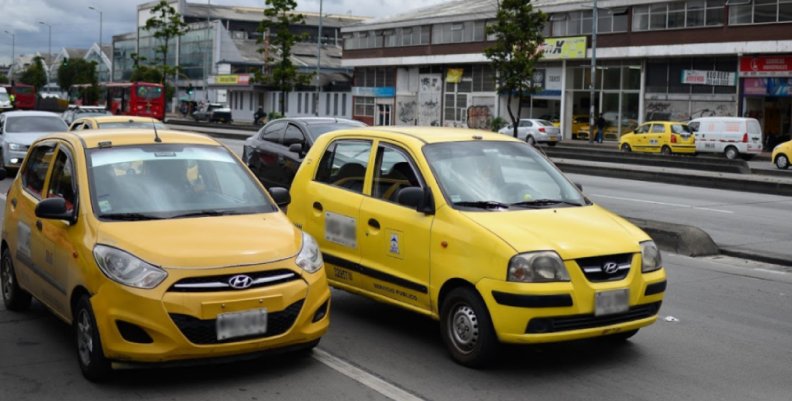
x=782, y=161
x=463, y=329
x=84, y=337
x=7, y=278
x=731, y=154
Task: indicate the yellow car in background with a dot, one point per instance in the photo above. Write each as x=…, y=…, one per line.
x=664, y=137
x=580, y=127
x=781, y=154
x=477, y=230
x=116, y=122
x=183, y=257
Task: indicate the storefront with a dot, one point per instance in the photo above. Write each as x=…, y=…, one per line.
x=766, y=88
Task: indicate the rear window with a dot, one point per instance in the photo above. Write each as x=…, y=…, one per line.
x=544, y=123
x=680, y=129
x=24, y=124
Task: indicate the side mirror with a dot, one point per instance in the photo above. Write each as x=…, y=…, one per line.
x=579, y=186
x=416, y=198
x=281, y=196
x=296, y=148
x=54, y=209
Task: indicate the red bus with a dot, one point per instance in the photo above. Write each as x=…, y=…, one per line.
x=143, y=99
x=24, y=96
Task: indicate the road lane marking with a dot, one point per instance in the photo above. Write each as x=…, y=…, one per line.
x=664, y=203
x=365, y=378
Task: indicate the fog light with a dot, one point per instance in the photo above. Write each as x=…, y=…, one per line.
x=321, y=312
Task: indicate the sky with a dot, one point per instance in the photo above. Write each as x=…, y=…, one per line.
x=73, y=24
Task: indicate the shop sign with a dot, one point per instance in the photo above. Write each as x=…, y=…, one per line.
x=232, y=79
x=714, y=78
x=454, y=75
x=377, y=91
x=768, y=87
x=766, y=66
x=564, y=48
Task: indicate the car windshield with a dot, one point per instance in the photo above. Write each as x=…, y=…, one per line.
x=164, y=181
x=131, y=124
x=3, y=96
x=149, y=92
x=24, y=124
x=318, y=129
x=498, y=175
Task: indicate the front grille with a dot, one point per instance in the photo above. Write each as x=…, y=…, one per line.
x=205, y=331
x=577, y=322
x=221, y=283
x=594, y=268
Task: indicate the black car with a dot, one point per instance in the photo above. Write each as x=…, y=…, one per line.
x=275, y=152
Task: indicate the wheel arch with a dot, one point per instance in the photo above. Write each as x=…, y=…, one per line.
x=76, y=294
x=450, y=285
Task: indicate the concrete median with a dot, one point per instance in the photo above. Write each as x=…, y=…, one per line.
x=678, y=238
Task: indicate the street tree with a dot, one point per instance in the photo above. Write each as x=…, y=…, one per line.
x=35, y=74
x=515, y=51
x=3, y=79
x=166, y=25
x=79, y=71
x=277, y=40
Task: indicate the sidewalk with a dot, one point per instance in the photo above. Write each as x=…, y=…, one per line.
x=614, y=145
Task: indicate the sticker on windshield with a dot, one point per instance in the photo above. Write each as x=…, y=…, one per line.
x=340, y=229
x=393, y=245
x=104, y=206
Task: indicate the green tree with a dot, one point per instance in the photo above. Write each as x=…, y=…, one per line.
x=80, y=71
x=278, y=40
x=515, y=51
x=3, y=79
x=166, y=25
x=35, y=74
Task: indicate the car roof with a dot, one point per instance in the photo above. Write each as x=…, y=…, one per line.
x=121, y=137
x=425, y=135
x=20, y=113
x=319, y=120
x=118, y=119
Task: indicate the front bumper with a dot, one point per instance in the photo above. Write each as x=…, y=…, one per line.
x=13, y=158
x=163, y=325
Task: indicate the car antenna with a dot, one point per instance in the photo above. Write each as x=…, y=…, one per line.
x=156, y=135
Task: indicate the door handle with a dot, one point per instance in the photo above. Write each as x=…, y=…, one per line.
x=318, y=206
x=39, y=225
x=374, y=224
x=13, y=202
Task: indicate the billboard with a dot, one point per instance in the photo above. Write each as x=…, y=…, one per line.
x=573, y=47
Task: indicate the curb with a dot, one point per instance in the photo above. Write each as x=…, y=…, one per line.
x=678, y=238
x=744, y=254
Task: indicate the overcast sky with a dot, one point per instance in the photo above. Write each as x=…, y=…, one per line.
x=75, y=25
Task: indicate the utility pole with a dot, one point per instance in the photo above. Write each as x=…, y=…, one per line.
x=11, y=69
x=592, y=115
x=318, y=60
x=49, y=52
x=100, y=31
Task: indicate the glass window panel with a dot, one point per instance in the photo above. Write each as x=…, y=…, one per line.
x=657, y=77
x=631, y=77
x=785, y=12
x=676, y=19
x=657, y=17
x=695, y=18
x=559, y=28
x=586, y=22
x=573, y=24
x=612, y=77
x=605, y=22
x=620, y=23
x=675, y=84
x=740, y=14
x=765, y=13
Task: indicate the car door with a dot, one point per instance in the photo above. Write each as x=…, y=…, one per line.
x=289, y=161
x=641, y=137
x=657, y=137
x=524, y=128
x=263, y=159
x=394, y=246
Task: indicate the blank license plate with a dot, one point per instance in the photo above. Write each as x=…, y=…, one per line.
x=610, y=302
x=552, y=137
x=241, y=324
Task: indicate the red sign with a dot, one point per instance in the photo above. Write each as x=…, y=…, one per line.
x=766, y=66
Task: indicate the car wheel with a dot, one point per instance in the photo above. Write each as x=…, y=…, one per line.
x=782, y=161
x=14, y=297
x=466, y=328
x=626, y=148
x=95, y=367
x=531, y=141
x=731, y=153
x=666, y=150
x=620, y=337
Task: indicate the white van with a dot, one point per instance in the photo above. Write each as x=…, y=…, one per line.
x=732, y=136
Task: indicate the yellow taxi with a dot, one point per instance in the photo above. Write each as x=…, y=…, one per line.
x=150, y=263
x=664, y=137
x=580, y=127
x=781, y=154
x=115, y=122
x=477, y=230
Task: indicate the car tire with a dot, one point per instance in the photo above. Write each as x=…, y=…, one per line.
x=530, y=139
x=466, y=328
x=731, y=153
x=666, y=150
x=620, y=337
x=93, y=364
x=626, y=148
x=782, y=161
x=14, y=297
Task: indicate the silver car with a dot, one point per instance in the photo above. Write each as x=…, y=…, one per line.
x=534, y=130
x=18, y=129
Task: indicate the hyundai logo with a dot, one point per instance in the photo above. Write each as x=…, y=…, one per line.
x=240, y=282
x=610, y=267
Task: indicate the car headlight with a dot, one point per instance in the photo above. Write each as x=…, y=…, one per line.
x=650, y=257
x=127, y=269
x=310, y=257
x=17, y=147
x=537, y=267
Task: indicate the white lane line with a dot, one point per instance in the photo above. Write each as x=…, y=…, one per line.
x=361, y=376
x=664, y=203
x=3, y=196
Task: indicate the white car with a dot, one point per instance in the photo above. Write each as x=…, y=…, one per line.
x=18, y=129
x=534, y=130
x=732, y=136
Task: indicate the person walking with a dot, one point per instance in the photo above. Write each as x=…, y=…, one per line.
x=600, y=127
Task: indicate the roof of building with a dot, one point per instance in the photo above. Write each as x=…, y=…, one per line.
x=75, y=53
x=238, y=13
x=303, y=54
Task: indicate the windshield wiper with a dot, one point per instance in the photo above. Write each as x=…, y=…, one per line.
x=203, y=213
x=483, y=204
x=544, y=202
x=129, y=216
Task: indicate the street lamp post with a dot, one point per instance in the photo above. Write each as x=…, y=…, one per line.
x=100, y=29
x=13, y=44
x=49, y=52
x=318, y=60
x=592, y=116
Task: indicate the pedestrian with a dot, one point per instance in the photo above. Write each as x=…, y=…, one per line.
x=11, y=99
x=258, y=116
x=600, y=128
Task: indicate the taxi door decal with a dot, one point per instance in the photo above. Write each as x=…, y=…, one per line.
x=341, y=229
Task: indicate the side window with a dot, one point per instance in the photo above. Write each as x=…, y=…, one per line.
x=35, y=170
x=694, y=126
x=658, y=128
x=642, y=129
x=272, y=132
x=525, y=124
x=61, y=183
x=344, y=164
x=394, y=171
x=86, y=125
x=293, y=135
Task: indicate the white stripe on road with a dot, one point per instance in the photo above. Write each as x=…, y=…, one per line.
x=664, y=203
x=361, y=376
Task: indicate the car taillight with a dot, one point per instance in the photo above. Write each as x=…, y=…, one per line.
x=541, y=129
x=673, y=138
x=745, y=137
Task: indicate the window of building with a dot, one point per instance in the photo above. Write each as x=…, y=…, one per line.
x=327, y=104
x=364, y=106
x=335, y=104
x=390, y=38
x=759, y=11
x=678, y=14
x=459, y=32
x=299, y=103
x=306, y=103
x=483, y=78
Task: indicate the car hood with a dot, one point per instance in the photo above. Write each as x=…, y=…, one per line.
x=573, y=232
x=25, y=138
x=206, y=242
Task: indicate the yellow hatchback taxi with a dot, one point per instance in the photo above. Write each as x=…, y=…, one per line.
x=781, y=154
x=478, y=230
x=115, y=122
x=158, y=248
x=664, y=137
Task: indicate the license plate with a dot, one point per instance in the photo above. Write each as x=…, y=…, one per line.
x=552, y=137
x=241, y=324
x=610, y=302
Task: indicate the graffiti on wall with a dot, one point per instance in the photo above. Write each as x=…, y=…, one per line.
x=479, y=117
x=429, y=95
x=684, y=110
x=406, y=110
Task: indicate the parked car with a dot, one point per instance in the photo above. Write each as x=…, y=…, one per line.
x=477, y=230
x=781, y=155
x=116, y=122
x=276, y=151
x=74, y=112
x=580, y=127
x=533, y=131
x=179, y=254
x=664, y=137
x=213, y=112
x=731, y=136
x=18, y=129
x=5, y=100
